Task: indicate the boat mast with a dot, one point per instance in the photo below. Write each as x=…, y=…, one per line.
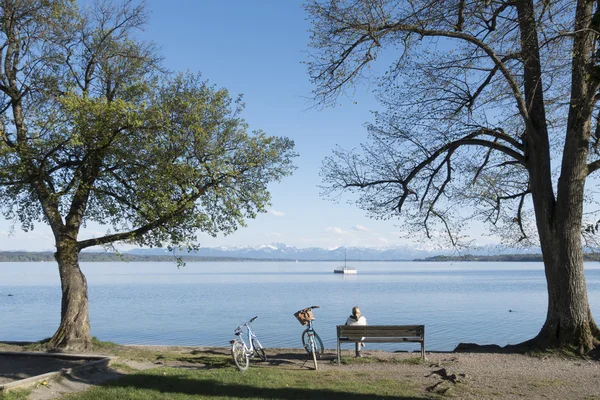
x=344, y=257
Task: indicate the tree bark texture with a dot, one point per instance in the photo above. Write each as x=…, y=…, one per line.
x=74, y=330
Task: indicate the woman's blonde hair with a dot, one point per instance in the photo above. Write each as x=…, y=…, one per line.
x=355, y=311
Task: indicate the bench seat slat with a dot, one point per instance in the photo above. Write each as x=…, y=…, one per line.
x=365, y=332
x=390, y=327
x=384, y=340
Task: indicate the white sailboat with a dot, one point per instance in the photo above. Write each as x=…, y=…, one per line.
x=345, y=269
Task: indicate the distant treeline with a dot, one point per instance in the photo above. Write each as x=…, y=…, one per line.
x=47, y=256
x=501, y=257
x=25, y=256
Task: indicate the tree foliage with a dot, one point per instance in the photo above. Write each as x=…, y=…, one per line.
x=93, y=130
x=106, y=136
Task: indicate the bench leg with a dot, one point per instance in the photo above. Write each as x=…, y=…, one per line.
x=357, y=349
x=338, y=352
x=423, y=350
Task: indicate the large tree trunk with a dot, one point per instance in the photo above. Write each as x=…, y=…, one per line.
x=74, y=330
x=569, y=322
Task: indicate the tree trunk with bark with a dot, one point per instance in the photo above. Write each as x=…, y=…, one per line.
x=569, y=322
x=74, y=330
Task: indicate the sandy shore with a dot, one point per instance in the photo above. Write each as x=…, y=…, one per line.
x=460, y=375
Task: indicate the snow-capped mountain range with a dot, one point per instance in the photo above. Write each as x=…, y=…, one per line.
x=281, y=251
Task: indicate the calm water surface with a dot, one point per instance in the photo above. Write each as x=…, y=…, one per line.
x=201, y=304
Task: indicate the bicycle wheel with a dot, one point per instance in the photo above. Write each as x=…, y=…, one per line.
x=239, y=355
x=259, y=350
x=318, y=343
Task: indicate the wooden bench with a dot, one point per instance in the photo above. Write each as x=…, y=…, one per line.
x=380, y=334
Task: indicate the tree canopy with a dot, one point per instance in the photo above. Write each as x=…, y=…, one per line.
x=93, y=129
x=105, y=136
x=457, y=103
x=491, y=113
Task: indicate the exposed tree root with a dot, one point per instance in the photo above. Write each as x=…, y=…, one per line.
x=538, y=345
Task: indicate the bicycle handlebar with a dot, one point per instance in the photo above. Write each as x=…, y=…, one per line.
x=239, y=328
x=314, y=307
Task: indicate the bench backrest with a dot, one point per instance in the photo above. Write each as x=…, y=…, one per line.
x=381, y=331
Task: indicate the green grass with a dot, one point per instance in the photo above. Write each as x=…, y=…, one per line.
x=549, y=383
x=256, y=383
x=408, y=361
x=36, y=346
x=565, y=352
x=17, y=394
x=123, y=368
x=100, y=345
x=211, y=375
x=374, y=360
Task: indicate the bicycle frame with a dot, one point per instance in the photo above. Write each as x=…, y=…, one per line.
x=310, y=331
x=250, y=350
x=242, y=351
x=311, y=340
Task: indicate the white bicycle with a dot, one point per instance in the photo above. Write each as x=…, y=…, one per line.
x=242, y=352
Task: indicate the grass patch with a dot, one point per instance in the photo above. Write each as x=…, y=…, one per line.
x=374, y=360
x=566, y=352
x=569, y=352
x=100, y=345
x=123, y=368
x=548, y=383
x=36, y=346
x=256, y=383
x=357, y=360
x=17, y=394
x=407, y=361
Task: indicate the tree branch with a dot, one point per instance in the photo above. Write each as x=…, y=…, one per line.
x=141, y=231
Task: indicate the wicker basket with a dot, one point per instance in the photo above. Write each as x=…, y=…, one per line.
x=304, y=316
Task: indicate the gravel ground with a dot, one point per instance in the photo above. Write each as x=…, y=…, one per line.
x=457, y=375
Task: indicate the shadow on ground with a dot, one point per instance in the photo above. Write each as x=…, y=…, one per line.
x=93, y=376
x=485, y=348
x=212, y=388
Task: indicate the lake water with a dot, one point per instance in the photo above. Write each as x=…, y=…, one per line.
x=201, y=303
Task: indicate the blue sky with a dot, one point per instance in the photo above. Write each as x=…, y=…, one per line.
x=256, y=48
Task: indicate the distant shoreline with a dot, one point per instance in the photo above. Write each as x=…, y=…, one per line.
x=46, y=256
x=502, y=257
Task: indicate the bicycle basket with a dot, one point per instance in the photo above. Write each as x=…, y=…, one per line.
x=304, y=316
